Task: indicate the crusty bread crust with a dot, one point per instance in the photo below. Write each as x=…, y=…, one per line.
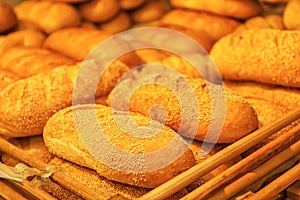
x=26, y=105
x=266, y=55
x=62, y=138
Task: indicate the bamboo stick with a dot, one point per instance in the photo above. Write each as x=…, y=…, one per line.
x=182, y=180
x=62, y=179
x=278, y=185
x=292, y=153
x=245, y=165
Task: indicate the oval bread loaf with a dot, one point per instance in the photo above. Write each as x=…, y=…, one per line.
x=240, y=118
x=62, y=136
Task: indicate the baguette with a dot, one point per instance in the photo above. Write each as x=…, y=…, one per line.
x=27, y=38
x=77, y=43
x=266, y=55
x=48, y=15
x=26, y=105
x=240, y=117
x=29, y=61
x=62, y=138
x=235, y=9
x=214, y=26
x=8, y=18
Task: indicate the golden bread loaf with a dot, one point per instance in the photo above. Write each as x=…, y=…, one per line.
x=62, y=137
x=235, y=9
x=263, y=55
x=29, y=61
x=277, y=95
x=26, y=38
x=291, y=15
x=99, y=10
x=240, y=116
x=119, y=23
x=150, y=11
x=27, y=104
x=213, y=25
x=49, y=16
x=77, y=43
x=259, y=22
x=8, y=18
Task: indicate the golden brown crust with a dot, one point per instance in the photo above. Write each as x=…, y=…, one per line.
x=213, y=25
x=8, y=18
x=129, y=4
x=99, y=10
x=291, y=15
x=48, y=15
x=119, y=23
x=62, y=138
x=7, y=78
x=77, y=43
x=27, y=104
x=27, y=38
x=27, y=61
x=240, y=117
x=263, y=55
x=235, y=9
x=150, y=11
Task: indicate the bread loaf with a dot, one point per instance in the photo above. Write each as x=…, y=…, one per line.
x=265, y=55
x=8, y=17
x=240, y=116
x=26, y=105
x=26, y=38
x=291, y=15
x=48, y=15
x=214, y=26
x=7, y=78
x=235, y=9
x=62, y=137
x=99, y=10
x=26, y=61
x=77, y=43
x=129, y=4
x=119, y=23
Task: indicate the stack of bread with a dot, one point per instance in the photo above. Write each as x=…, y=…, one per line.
x=44, y=44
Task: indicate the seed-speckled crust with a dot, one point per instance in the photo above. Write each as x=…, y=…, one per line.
x=29, y=61
x=266, y=55
x=215, y=26
x=240, y=116
x=235, y=9
x=62, y=137
x=26, y=105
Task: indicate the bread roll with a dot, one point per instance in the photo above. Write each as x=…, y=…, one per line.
x=77, y=43
x=152, y=55
x=99, y=10
x=240, y=116
x=26, y=105
x=27, y=38
x=8, y=17
x=214, y=26
x=62, y=138
x=266, y=55
x=291, y=15
x=119, y=23
x=235, y=9
x=26, y=61
x=88, y=25
x=150, y=11
x=49, y=16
